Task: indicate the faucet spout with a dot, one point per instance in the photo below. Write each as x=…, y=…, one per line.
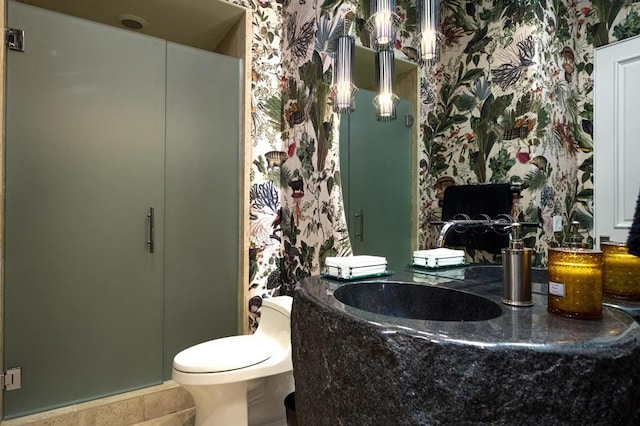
x=462, y=225
x=446, y=227
x=501, y=225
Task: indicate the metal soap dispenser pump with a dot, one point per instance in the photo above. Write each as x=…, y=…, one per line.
x=516, y=270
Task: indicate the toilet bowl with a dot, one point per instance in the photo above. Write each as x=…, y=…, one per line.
x=242, y=380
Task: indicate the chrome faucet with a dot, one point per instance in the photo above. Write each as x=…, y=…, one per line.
x=446, y=227
x=464, y=224
x=501, y=224
x=461, y=223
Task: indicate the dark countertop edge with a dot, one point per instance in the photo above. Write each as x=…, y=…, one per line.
x=588, y=347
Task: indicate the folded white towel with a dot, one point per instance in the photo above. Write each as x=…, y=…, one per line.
x=440, y=253
x=438, y=257
x=356, y=261
x=355, y=266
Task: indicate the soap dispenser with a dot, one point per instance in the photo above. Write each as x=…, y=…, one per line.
x=575, y=239
x=516, y=270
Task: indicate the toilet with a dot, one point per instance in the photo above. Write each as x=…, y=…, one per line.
x=242, y=380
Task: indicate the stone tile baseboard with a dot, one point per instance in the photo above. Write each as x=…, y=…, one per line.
x=167, y=404
x=180, y=418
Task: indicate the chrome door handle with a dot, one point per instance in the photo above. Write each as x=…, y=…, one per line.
x=151, y=218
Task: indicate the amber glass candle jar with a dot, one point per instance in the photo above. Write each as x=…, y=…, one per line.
x=575, y=282
x=621, y=271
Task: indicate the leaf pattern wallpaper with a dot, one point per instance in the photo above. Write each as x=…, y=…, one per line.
x=267, y=154
x=509, y=100
x=512, y=101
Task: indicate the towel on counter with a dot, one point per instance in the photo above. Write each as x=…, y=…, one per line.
x=473, y=200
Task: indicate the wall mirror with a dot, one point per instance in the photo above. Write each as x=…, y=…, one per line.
x=378, y=162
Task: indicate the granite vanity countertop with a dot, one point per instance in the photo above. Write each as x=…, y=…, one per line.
x=522, y=327
x=484, y=273
x=526, y=366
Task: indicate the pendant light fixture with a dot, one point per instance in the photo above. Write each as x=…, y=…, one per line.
x=386, y=101
x=427, y=39
x=343, y=91
x=383, y=24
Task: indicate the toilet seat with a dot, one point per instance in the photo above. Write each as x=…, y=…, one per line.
x=241, y=380
x=225, y=354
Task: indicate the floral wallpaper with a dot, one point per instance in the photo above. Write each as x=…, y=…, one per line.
x=268, y=154
x=509, y=100
x=513, y=102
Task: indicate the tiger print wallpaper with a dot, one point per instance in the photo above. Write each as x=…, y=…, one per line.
x=509, y=100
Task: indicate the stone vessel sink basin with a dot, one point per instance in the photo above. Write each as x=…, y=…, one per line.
x=412, y=301
x=439, y=348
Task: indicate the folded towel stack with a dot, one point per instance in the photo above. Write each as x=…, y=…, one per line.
x=437, y=258
x=349, y=267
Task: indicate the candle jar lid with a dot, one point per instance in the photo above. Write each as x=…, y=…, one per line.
x=612, y=243
x=581, y=256
x=614, y=247
x=575, y=249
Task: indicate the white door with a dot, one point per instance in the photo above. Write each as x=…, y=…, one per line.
x=616, y=138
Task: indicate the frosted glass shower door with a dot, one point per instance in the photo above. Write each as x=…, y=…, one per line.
x=202, y=244
x=84, y=163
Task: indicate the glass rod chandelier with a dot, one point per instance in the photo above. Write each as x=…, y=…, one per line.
x=343, y=91
x=427, y=39
x=382, y=26
x=385, y=101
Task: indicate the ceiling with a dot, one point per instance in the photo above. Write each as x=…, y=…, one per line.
x=197, y=23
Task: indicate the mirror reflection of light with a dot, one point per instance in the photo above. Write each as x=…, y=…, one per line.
x=385, y=104
x=386, y=101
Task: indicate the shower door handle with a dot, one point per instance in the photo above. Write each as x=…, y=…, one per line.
x=151, y=218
